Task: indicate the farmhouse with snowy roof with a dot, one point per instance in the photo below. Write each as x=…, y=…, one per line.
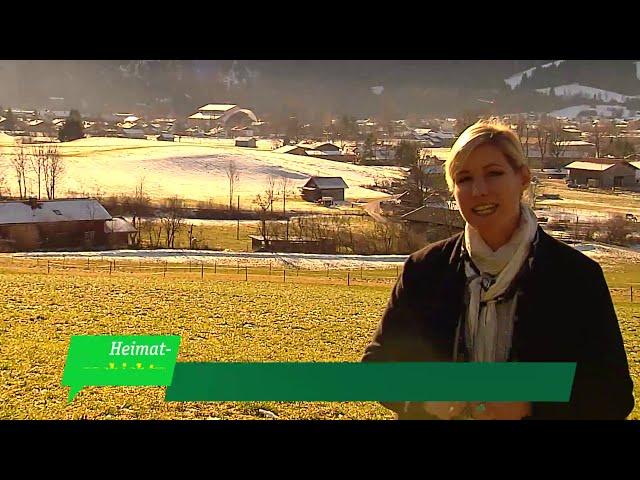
x=604, y=173
x=221, y=114
x=68, y=223
x=318, y=187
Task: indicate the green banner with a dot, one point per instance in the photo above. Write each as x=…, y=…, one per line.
x=120, y=360
x=344, y=382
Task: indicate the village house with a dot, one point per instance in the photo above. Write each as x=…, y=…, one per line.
x=436, y=220
x=636, y=164
x=166, y=137
x=119, y=232
x=54, y=224
x=246, y=142
x=291, y=149
x=317, y=188
x=221, y=115
x=293, y=245
x=603, y=173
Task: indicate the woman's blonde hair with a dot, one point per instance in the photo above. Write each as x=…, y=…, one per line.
x=484, y=132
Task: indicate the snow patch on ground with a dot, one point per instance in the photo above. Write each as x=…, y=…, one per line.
x=598, y=252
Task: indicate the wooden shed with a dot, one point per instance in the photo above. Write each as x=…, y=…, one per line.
x=45, y=224
x=318, y=187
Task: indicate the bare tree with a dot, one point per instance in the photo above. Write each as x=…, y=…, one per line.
x=155, y=234
x=265, y=203
x=192, y=239
x=139, y=206
x=20, y=161
x=39, y=164
x=596, y=132
x=420, y=180
x=542, y=135
x=3, y=180
x=270, y=191
x=53, y=169
x=523, y=129
x=557, y=139
x=284, y=184
x=233, y=175
x=172, y=220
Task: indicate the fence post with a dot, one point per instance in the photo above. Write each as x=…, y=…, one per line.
x=110, y=267
x=164, y=273
x=397, y=272
x=215, y=267
x=246, y=273
x=360, y=272
x=48, y=265
x=284, y=274
x=631, y=293
x=327, y=270
x=238, y=271
x=269, y=267
x=88, y=265
x=348, y=279
x=201, y=270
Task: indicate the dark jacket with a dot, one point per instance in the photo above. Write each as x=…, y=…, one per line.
x=565, y=314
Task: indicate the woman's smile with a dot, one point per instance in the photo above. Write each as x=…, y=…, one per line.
x=485, y=209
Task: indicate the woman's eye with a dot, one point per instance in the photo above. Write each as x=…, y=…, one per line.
x=495, y=173
x=463, y=179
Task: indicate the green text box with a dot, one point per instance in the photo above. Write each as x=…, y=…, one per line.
x=388, y=382
x=119, y=360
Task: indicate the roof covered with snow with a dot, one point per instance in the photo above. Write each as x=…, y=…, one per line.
x=118, y=225
x=599, y=167
x=216, y=107
x=326, y=182
x=287, y=148
x=52, y=211
x=204, y=116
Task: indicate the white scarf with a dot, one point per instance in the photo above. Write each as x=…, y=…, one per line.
x=506, y=262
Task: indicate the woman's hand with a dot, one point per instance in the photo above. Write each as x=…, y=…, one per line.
x=500, y=410
x=444, y=410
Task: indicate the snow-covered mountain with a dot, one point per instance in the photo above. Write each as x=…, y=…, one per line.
x=610, y=111
x=577, y=90
x=516, y=79
x=612, y=80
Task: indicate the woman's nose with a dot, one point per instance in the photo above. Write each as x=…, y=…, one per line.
x=479, y=187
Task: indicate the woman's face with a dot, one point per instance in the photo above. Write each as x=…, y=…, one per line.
x=488, y=192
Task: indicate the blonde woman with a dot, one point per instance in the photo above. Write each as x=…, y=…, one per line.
x=503, y=290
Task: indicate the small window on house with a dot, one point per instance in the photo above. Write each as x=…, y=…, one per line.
x=57, y=212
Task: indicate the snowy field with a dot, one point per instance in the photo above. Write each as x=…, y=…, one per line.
x=300, y=260
x=191, y=169
x=599, y=252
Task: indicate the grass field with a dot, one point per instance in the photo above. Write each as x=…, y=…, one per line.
x=618, y=203
x=220, y=318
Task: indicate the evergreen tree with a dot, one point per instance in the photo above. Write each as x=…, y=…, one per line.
x=407, y=153
x=10, y=122
x=73, y=127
